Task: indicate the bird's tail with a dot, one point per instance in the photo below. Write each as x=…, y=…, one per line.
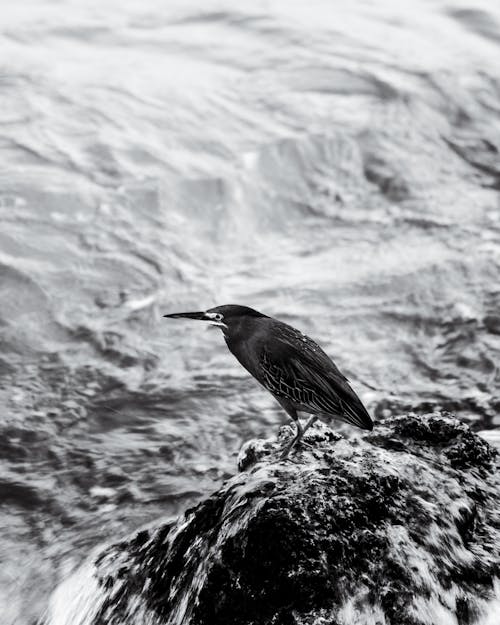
x=355, y=413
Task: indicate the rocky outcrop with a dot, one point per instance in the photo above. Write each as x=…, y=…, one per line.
x=400, y=527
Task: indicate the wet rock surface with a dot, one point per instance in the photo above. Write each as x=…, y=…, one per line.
x=401, y=526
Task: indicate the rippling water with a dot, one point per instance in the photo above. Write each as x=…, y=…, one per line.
x=334, y=165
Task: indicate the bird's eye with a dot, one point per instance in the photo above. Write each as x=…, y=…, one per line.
x=214, y=316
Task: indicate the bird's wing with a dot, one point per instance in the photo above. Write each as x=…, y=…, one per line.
x=297, y=369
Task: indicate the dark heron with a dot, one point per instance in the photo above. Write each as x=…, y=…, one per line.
x=290, y=365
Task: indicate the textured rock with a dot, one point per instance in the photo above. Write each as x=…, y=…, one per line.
x=401, y=527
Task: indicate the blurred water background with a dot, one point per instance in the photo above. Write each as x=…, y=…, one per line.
x=333, y=164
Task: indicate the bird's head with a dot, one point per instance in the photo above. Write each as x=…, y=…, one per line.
x=228, y=317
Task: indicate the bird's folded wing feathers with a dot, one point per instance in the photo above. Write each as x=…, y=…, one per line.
x=309, y=377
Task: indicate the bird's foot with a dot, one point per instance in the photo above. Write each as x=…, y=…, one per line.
x=303, y=443
x=295, y=444
x=286, y=450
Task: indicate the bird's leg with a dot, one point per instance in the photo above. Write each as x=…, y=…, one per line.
x=295, y=439
x=299, y=435
x=298, y=439
x=311, y=421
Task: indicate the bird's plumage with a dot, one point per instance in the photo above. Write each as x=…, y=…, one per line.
x=293, y=368
x=289, y=364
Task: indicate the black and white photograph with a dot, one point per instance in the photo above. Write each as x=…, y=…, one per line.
x=250, y=312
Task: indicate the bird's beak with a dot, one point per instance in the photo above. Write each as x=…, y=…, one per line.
x=189, y=315
x=202, y=316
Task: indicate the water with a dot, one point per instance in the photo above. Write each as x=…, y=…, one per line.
x=336, y=166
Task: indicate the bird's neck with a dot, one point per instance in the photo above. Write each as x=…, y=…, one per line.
x=237, y=345
x=242, y=339
x=232, y=334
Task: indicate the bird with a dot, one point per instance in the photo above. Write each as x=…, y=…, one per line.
x=288, y=364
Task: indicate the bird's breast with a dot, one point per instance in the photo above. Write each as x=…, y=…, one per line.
x=246, y=350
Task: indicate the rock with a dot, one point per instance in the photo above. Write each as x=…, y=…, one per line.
x=399, y=527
